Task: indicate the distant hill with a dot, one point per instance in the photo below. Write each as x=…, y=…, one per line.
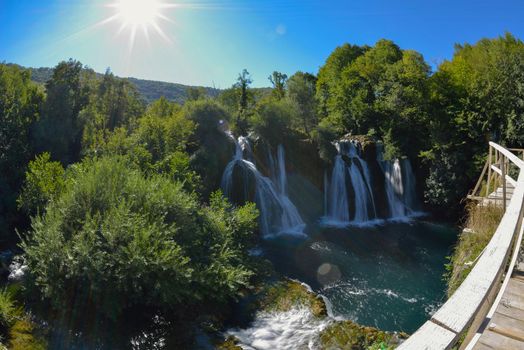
x=152, y=90
x=149, y=89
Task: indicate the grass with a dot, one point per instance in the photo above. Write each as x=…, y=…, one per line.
x=17, y=330
x=482, y=221
x=9, y=312
x=22, y=336
x=494, y=184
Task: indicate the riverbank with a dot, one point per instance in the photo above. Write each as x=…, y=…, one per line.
x=480, y=224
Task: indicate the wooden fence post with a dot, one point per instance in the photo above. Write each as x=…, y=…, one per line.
x=503, y=169
x=489, y=171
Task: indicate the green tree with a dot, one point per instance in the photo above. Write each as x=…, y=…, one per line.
x=279, y=81
x=329, y=75
x=59, y=131
x=118, y=100
x=245, y=98
x=488, y=76
x=196, y=93
x=301, y=90
x=163, y=108
x=20, y=105
x=477, y=96
x=229, y=99
x=114, y=103
x=380, y=90
x=164, y=129
x=273, y=120
x=209, y=146
x=44, y=180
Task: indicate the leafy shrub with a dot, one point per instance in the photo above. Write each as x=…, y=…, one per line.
x=115, y=239
x=210, y=148
x=16, y=327
x=273, y=120
x=44, y=180
x=8, y=309
x=23, y=336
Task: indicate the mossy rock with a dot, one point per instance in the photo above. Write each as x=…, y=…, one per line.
x=364, y=140
x=347, y=335
x=283, y=296
x=231, y=343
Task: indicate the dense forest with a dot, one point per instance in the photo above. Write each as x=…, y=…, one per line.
x=114, y=203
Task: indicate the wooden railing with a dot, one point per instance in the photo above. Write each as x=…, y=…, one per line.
x=466, y=310
x=497, y=167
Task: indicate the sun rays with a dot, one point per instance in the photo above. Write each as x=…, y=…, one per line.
x=140, y=15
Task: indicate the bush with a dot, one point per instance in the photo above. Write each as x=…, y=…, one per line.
x=44, y=180
x=273, y=120
x=8, y=310
x=23, y=336
x=16, y=327
x=208, y=117
x=210, y=148
x=146, y=238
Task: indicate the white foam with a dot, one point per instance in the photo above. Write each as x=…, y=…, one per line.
x=297, y=328
x=17, y=269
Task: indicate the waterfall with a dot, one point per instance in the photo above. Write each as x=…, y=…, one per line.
x=338, y=208
x=277, y=212
x=394, y=188
x=282, y=179
x=326, y=190
x=349, y=166
x=410, y=192
x=400, y=186
x=361, y=193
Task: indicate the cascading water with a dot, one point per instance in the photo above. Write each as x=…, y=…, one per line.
x=338, y=208
x=356, y=171
x=399, y=185
x=297, y=328
x=362, y=193
x=410, y=193
x=394, y=188
x=326, y=187
x=277, y=212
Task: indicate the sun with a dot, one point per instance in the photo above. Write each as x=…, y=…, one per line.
x=140, y=14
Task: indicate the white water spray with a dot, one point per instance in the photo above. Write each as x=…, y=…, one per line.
x=297, y=328
x=362, y=206
x=277, y=213
x=400, y=187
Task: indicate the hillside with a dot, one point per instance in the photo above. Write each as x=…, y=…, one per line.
x=149, y=89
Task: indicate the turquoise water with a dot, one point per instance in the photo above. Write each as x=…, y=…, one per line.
x=387, y=276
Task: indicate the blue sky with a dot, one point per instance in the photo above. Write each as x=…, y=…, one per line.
x=210, y=41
